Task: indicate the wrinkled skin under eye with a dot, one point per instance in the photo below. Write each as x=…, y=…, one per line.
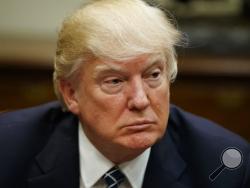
x=112, y=85
x=154, y=78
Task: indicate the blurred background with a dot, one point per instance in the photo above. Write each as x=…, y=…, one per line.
x=214, y=66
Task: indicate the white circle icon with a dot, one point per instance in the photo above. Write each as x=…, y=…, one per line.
x=231, y=158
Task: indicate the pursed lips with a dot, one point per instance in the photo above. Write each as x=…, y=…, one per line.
x=140, y=125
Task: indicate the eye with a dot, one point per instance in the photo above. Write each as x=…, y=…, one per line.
x=156, y=74
x=114, y=81
x=154, y=77
x=112, y=85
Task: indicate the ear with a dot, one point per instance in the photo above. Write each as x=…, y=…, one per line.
x=68, y=93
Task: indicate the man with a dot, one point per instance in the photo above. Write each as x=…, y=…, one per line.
x=114, y=63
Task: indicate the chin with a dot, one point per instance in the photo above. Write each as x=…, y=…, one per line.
x=140, y=141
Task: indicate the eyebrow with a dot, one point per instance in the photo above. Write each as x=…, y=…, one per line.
x=106, y=68
x=156, y=58
x=154, y=62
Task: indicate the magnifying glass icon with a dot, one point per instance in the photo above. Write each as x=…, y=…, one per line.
x=231, y=159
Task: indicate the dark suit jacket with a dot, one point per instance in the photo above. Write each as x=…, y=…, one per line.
x=39, y=149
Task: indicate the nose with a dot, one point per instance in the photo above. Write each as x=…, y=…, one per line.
x=138, y=99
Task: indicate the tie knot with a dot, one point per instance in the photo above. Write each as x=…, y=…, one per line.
x=114, y=177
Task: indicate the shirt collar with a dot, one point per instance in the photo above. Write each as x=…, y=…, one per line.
x=135, y=169
x=92, y=171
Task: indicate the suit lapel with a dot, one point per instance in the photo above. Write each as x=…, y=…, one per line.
x=58, y=163
x=165, y=166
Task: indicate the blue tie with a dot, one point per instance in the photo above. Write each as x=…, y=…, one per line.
x=113, y=178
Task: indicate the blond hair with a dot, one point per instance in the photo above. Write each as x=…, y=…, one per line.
x=113, y=29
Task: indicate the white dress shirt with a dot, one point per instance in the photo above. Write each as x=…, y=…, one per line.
x=93, y=166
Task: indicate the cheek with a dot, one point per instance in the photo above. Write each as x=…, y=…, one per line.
x=161, y=104
x=161, y=95
x=112, y=105
x=101, y=109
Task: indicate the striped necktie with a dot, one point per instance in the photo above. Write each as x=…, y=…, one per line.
x=113, y=178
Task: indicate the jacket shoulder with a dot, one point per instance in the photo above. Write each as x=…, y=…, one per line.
x=27, y=134
x=202, y=143
x=29, y=125
x=23, y=133
x=28, y=114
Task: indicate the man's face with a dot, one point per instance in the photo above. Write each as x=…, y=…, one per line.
x=124, y=104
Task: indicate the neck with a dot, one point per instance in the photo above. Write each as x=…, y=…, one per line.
x=120, y=155
x=116, y=153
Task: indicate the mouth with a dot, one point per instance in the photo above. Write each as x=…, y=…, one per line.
x=140, y=125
